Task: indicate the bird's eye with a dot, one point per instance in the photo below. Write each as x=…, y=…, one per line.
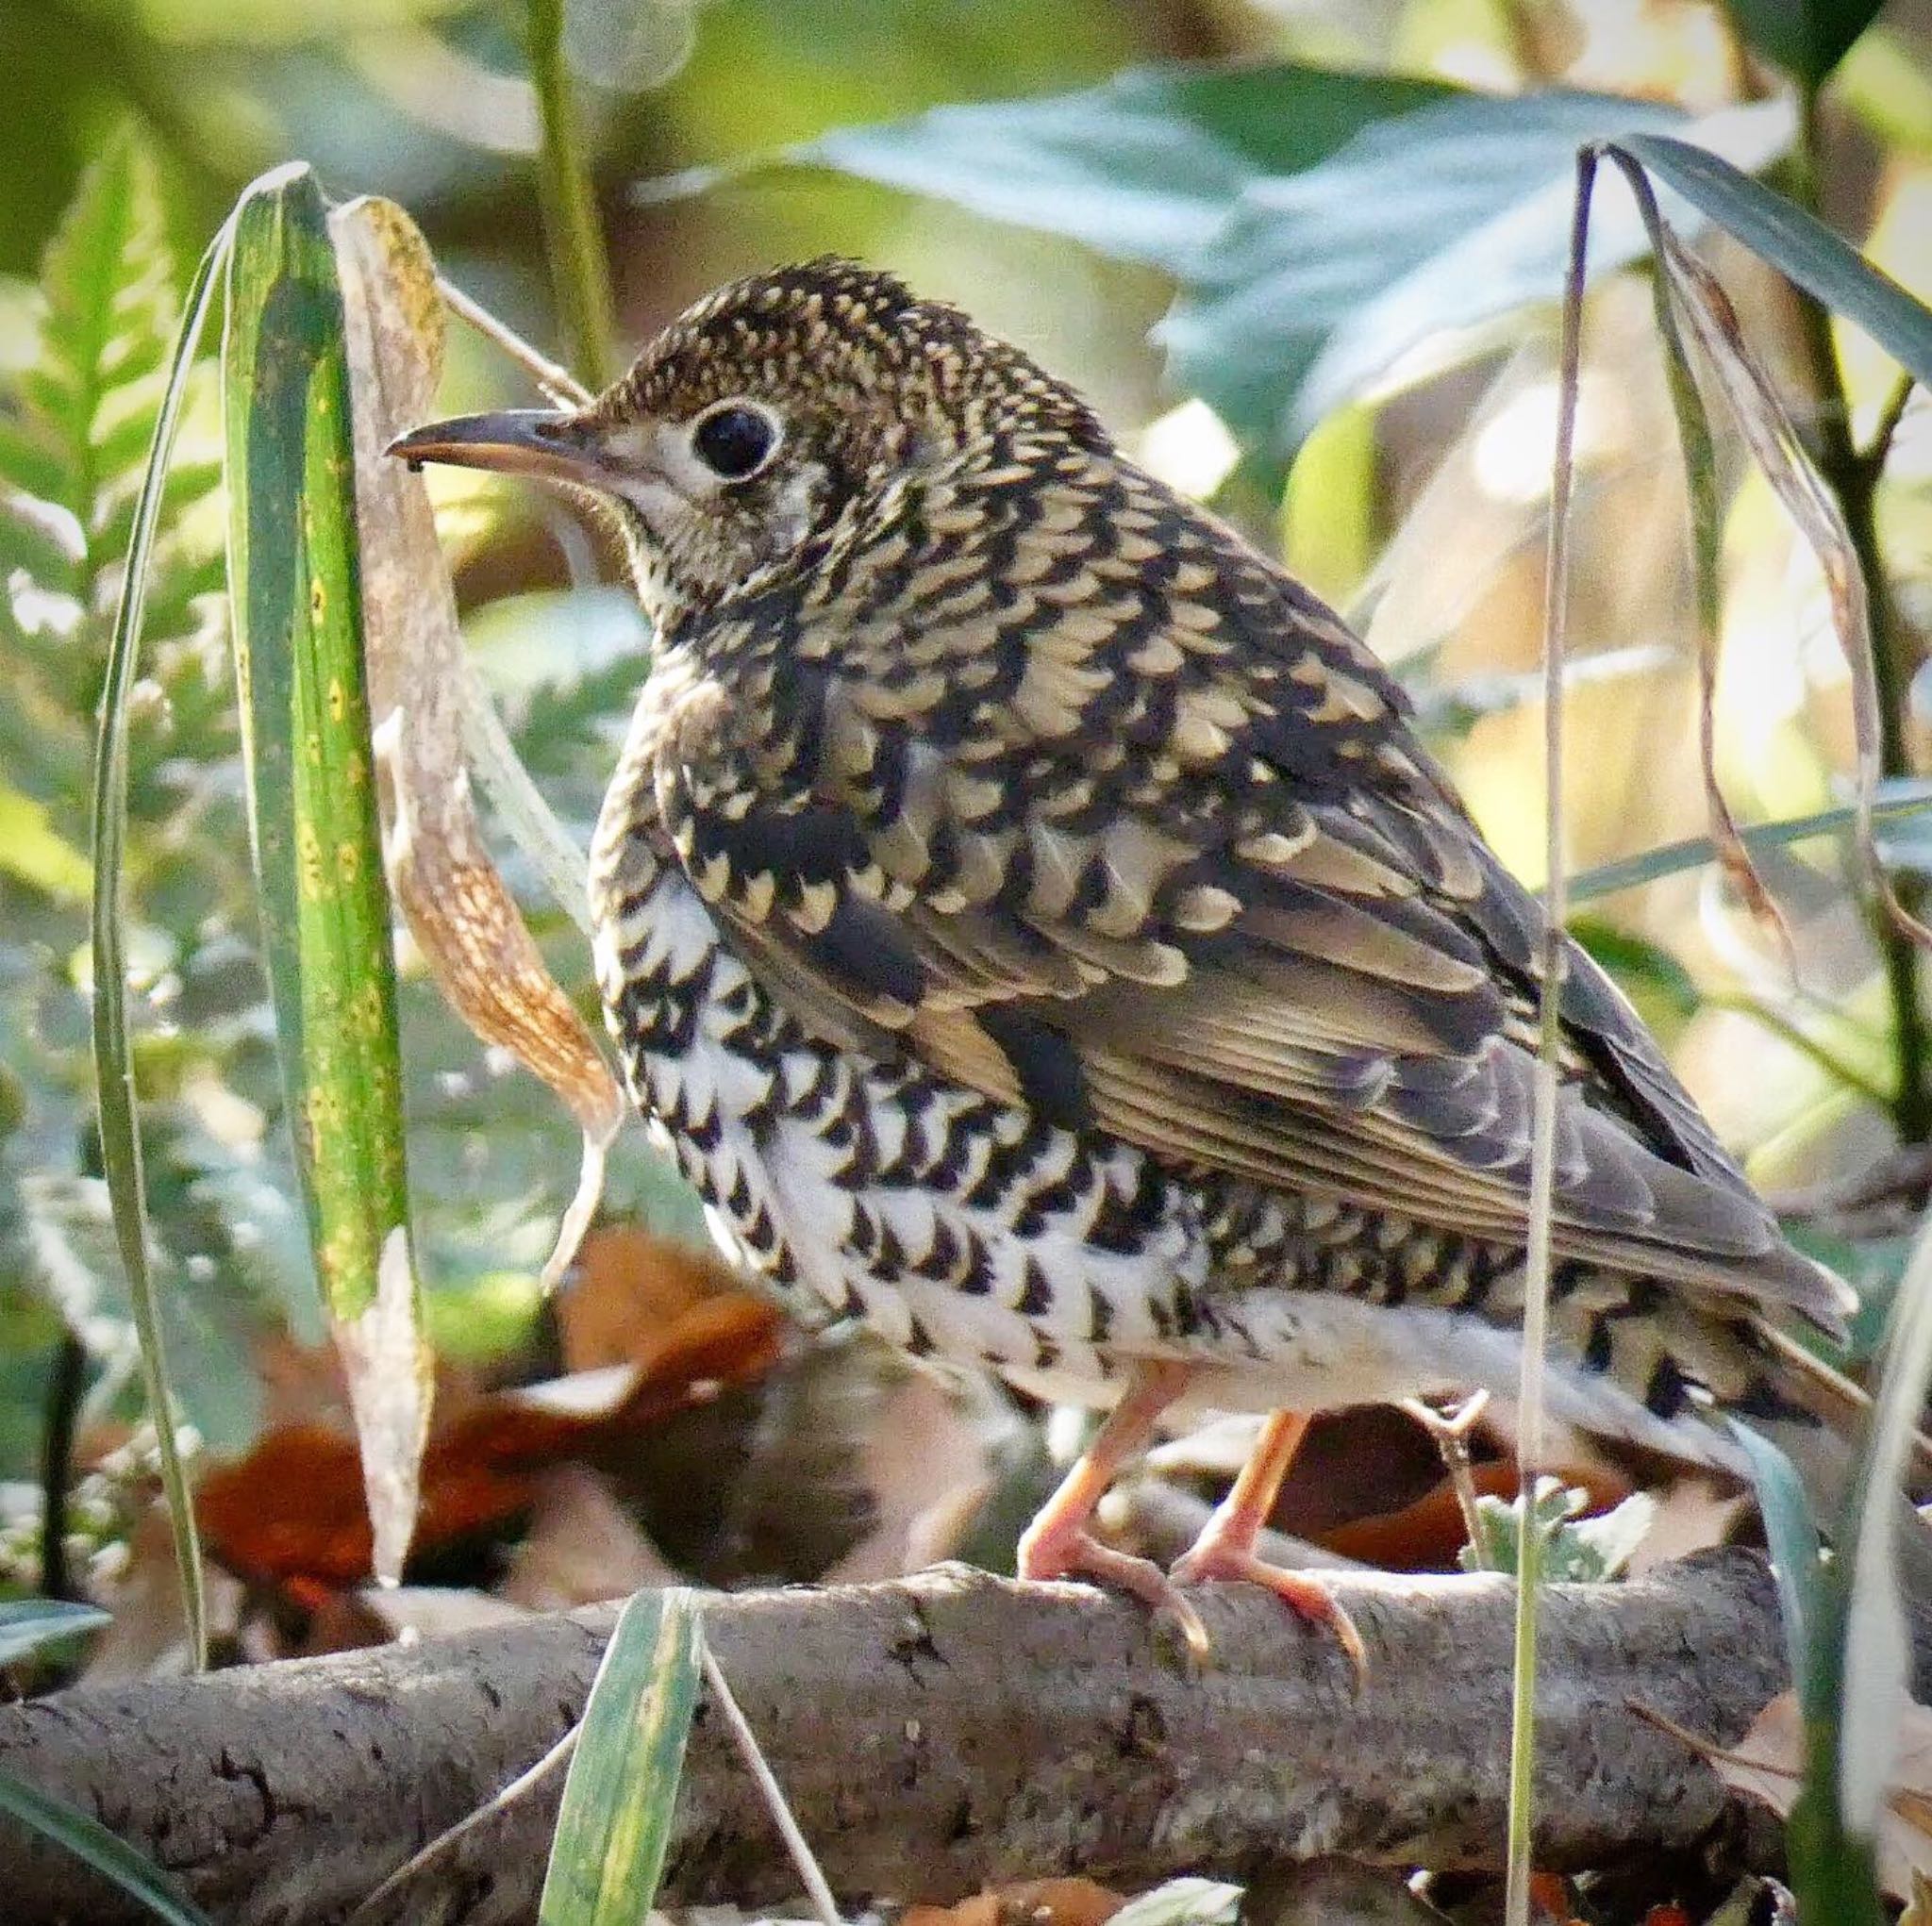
x=734, y=441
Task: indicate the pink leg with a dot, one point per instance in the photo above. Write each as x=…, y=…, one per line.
x=1058, y=1544
x=1225, y=1549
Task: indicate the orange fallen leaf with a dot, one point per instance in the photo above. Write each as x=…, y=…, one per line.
x=291, y=1516
x=1032, y=1903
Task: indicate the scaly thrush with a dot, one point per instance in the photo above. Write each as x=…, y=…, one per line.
x=1031, y=920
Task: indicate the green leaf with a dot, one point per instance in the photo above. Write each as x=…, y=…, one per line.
x=1142, y=168
x=1807, y=37
x=1659, y=986
x=113, y=1048
x=1319, y=284
x=35, y=853
x=1797, y=244
x=294, y=579
x=93, y=1845
x=1577, y=1549
x=614, y=1826
x=26, y=1625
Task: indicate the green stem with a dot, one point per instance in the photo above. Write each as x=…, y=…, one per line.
x=1854, y=480
x=579, y=269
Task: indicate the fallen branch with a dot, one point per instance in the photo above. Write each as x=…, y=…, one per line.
x=931, y=1737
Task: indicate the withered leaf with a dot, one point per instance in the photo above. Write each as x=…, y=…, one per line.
x=461, y=912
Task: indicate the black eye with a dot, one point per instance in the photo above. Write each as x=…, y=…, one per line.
x=733, y=442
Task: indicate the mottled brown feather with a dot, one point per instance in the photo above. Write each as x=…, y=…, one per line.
x=1162, y=801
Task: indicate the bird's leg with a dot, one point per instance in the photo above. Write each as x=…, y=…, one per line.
x=1058, y=1544
x=1225, y=1548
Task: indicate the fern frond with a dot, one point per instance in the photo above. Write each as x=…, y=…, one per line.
x=75, y=430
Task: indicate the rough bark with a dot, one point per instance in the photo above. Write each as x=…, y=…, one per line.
x=933, y=1736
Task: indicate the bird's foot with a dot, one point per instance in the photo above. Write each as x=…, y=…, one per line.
x=1215, y=1557
x=1072, y=1552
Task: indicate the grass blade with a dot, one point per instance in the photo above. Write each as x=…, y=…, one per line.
x=294, y=582
x=113, y=1046
x=614, y=1827
x=93, y=1845
x=1893, y=802
x=1792, y=1534
x=578, y=267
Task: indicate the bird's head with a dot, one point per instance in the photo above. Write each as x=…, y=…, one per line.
x=768, y=413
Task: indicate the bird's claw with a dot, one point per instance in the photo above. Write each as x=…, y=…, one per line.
x=1077, y=1553
x=1215, y=1559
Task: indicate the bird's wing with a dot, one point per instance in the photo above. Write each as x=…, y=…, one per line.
x=1093, y=809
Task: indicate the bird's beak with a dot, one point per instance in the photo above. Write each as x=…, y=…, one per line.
x=545, y=443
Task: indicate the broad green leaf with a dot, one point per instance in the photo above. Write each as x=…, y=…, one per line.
x=1142, y=168
x=92, y=1843
x=26, y=1625
x=1807, y=37
x=1577, y=1549
x=113, y=1047
x=1796, y=244
x=614, y=1826
x=1321, y=283
x=294, y=579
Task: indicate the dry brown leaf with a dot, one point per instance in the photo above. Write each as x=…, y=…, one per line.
x=1769, y=1764
x=926, y=1463
x=631, y=1287
x=459, y=910
x=1769, y=432
x=390, y=1376
x=1918, y=1910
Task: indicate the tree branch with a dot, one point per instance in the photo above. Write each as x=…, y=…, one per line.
x=931, y=1736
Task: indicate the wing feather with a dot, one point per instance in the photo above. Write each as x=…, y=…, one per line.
x=1150, y=844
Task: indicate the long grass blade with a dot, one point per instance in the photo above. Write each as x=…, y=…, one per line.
x=1543, y=1157
x=93, y=1845
x=1798, y=246
x=113, y=1046
x=1895, y=801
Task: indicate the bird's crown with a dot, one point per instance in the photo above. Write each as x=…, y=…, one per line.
x=833, y=332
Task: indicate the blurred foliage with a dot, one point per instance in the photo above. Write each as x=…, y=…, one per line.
x=1354, y=242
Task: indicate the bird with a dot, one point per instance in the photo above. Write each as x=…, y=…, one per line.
x=1030, y=918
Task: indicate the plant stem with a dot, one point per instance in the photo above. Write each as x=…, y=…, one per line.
x=1854, y=480
x=65, y=1385
x=579, y=269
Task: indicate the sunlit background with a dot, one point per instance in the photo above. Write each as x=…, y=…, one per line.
x=1418, y=503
